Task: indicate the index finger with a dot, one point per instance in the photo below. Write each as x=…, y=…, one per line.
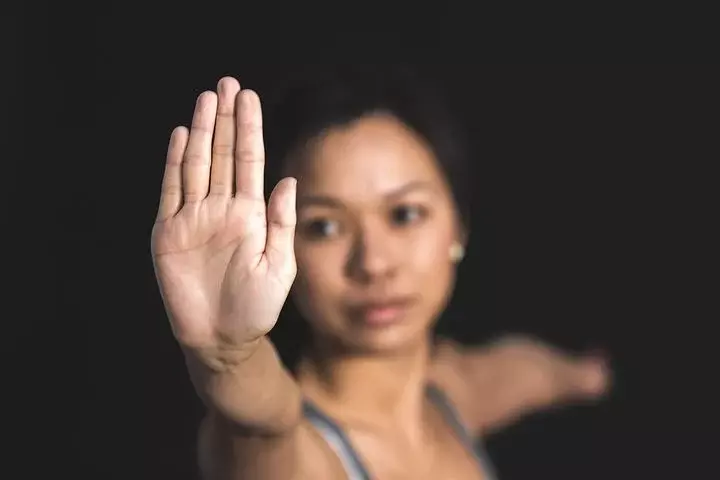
x=250, y=148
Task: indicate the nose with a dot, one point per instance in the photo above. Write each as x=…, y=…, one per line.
x=372, y=256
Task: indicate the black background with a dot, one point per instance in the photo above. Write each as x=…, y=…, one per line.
x=593, y=203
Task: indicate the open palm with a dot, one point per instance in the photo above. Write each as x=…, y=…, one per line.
x=224, y=261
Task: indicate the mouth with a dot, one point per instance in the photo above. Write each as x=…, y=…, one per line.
x=381, y=312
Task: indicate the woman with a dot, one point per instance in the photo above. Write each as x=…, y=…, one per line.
x=369, y=239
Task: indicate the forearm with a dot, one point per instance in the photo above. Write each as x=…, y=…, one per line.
x=253, y=391
x=254, y=410
x=226, y=452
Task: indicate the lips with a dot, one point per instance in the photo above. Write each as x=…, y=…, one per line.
x=379, y=313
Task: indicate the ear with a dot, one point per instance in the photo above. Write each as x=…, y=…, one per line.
x=459, y=245
x=456, y=253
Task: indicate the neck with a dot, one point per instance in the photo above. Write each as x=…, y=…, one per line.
x=386, y=388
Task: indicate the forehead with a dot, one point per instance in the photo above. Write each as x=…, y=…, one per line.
x=372, y=156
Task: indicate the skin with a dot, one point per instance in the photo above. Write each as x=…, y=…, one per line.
x=371, y=217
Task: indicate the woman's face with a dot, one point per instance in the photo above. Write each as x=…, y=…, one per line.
x=376, y=222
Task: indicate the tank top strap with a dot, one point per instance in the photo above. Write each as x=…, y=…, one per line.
x=338, y=441
x=474, y=446
x=354, y=467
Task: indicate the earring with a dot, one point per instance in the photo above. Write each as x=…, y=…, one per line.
x=457, y=252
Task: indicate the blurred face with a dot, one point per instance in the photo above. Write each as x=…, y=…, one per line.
x=376, y=222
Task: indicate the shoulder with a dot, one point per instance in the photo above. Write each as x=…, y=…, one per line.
x=487, y=385
x=448, y=371
x=316, y=458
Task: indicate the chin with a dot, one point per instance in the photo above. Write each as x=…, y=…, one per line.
x=386, y=340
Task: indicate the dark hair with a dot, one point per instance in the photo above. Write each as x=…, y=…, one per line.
x=327, y=98
x=332, y=97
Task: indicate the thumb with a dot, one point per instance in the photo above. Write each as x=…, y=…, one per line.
x=282, y=218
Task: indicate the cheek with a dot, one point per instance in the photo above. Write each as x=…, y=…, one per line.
x=429, y=248
x=429, y=252
x=430, y=263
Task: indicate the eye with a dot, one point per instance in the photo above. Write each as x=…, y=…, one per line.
x=321, y=228
x=407, y=214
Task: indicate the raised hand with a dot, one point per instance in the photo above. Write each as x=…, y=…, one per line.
x=224, y=262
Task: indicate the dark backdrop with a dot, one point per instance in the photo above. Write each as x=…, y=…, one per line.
x=593, y=200
x=576, y=173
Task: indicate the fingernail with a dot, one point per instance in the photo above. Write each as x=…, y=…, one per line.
x=246, y=98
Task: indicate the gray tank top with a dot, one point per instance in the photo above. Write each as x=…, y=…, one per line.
x=339, y=442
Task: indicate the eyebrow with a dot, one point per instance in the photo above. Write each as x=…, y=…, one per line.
x=327, y=201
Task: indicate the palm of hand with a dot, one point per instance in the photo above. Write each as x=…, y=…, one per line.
x=223, y=261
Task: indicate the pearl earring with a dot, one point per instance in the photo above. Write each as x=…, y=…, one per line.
x=457, y=252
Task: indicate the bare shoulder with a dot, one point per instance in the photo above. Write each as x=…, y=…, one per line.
x=450, y=370
x=313, y=458
x=298, y=454
x=477, y=382
x=498, y=383
x=316, y=459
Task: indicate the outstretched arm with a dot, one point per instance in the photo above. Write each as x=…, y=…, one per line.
x=224, y=263
x=495, y=385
